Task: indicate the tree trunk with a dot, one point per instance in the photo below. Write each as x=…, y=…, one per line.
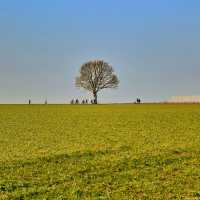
x=95, y=97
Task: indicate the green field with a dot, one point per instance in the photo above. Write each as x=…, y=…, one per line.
x=100, y=152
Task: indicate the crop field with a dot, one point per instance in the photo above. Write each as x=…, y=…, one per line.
x=100, y=152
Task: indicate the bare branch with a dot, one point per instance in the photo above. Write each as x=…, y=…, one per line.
x=95, y=76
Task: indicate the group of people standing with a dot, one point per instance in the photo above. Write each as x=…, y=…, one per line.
x=30, y=102
x=138, y=101
x=84, y=101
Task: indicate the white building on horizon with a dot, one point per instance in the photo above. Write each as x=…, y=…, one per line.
x=184, y=99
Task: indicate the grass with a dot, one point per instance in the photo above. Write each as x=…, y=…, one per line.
x=100, y=152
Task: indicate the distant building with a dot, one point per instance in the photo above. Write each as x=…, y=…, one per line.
x=184, y=99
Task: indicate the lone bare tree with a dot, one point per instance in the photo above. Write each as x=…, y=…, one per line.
x=95, y=76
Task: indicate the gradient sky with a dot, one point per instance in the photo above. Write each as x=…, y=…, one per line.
x=154, y=47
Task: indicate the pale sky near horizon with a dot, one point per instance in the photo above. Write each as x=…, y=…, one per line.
x=154, y=47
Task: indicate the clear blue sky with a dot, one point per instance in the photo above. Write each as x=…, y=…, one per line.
x=154, y=47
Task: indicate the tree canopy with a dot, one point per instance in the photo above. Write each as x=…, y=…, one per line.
x=95, y=76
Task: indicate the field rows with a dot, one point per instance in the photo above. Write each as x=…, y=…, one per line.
x=100, y=152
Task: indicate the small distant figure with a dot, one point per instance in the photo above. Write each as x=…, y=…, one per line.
x=77, y=101
x=83, y=102
x=72, y=101
x=86, y=101
x=92, y=102
x=46, y=102
x=138, y=101
x=29, y=102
